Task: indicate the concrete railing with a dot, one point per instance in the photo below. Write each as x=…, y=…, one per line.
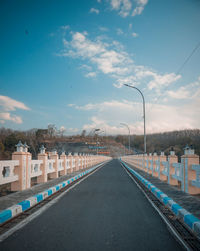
x=21, y=169
x=35, y=168
x=7, y=174
x=185, y=174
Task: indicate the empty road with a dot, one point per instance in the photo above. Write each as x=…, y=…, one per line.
x=106, y=211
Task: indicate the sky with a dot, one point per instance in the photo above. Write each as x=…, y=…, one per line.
x=66, y=63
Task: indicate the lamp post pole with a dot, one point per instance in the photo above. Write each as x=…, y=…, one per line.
x=145, y=146
x=96, y=130
x=129, y=138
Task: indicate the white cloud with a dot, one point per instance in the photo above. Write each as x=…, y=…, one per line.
x=128, y=7
x=9, y=104
x=122, y=6
x=181, y=93
x=140, y=7
x=62, y=130
x=159, y=118
x=65, y=27
x=134, y=34
x=93, y=10
x=190, y=91
x=98, y=1
x=126, y=80
x=130, y=26
x=119, y=31
x=7, y=116
x=86, y=67
x=103, y=29
x=73, y=130
x=108, y=60
x=113, y=60
x=91, y=75
x=162, y=80
x=71, y=105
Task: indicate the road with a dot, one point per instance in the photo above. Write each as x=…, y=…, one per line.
x=106, y=211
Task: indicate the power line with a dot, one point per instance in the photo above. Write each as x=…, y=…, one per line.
x=188, y=58
x=179, y=70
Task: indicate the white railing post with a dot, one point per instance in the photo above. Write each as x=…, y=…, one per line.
x=54, y=156
x=43, y=156
x=172, y=158
x=63, y=157
x=23, y=170
x=163, y=159
x=76, y=159
x=70, y=157
x=191, y=171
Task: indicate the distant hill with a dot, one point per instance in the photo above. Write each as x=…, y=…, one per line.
x=116, y=145
x=164, y=141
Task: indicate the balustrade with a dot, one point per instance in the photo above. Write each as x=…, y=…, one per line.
x=7, y=174
x=35, y=168
x=50, y=165
x=185, y=174
x=21, y=169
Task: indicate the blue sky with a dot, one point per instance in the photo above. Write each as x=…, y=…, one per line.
x=65, y=63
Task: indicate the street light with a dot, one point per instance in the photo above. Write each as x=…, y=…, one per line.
x=97, y=130
x=129, y=139
x=145, y=148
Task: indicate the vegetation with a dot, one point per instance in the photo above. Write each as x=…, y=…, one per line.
x=165, y=141
x=52, y=138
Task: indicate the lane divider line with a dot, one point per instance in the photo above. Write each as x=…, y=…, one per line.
x=26, y=204
x=189, y=219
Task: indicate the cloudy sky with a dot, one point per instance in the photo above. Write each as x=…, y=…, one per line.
x=65, y=63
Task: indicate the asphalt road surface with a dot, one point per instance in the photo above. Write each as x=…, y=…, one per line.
x=106, y=211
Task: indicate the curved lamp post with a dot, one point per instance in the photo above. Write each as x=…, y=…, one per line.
x=129, y=139
x=145, y=146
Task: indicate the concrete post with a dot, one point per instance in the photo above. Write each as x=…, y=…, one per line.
x=63, y=157
x=76, y=157
x=43, y=156
x=188, y=159
x=83, y=161
x=70, y=157
x=150, y=158
x=145, y=162
x=54, y=156
x=172, y=158
x=23, y=170
x=28, y=166
x=80, y=161
x=162, y=158
x=155, y=158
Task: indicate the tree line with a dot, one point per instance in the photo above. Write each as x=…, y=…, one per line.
x=158, y=142
x=50, y=137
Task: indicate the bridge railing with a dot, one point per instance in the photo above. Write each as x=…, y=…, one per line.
x=185, y=175
x=35, y=168
x=7, y=173
x=21, y=169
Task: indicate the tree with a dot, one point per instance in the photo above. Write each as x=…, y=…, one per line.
x=83, y=133
x=2, y=148
x=51, y=130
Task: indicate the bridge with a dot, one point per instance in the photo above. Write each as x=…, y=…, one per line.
x=91, y=202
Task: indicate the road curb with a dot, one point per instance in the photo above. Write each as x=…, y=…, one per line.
x=189, y=219
x=13, y=211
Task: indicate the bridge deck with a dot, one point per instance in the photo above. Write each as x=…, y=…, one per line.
x=106, y=211
x=187, y=201
x=16, y=197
